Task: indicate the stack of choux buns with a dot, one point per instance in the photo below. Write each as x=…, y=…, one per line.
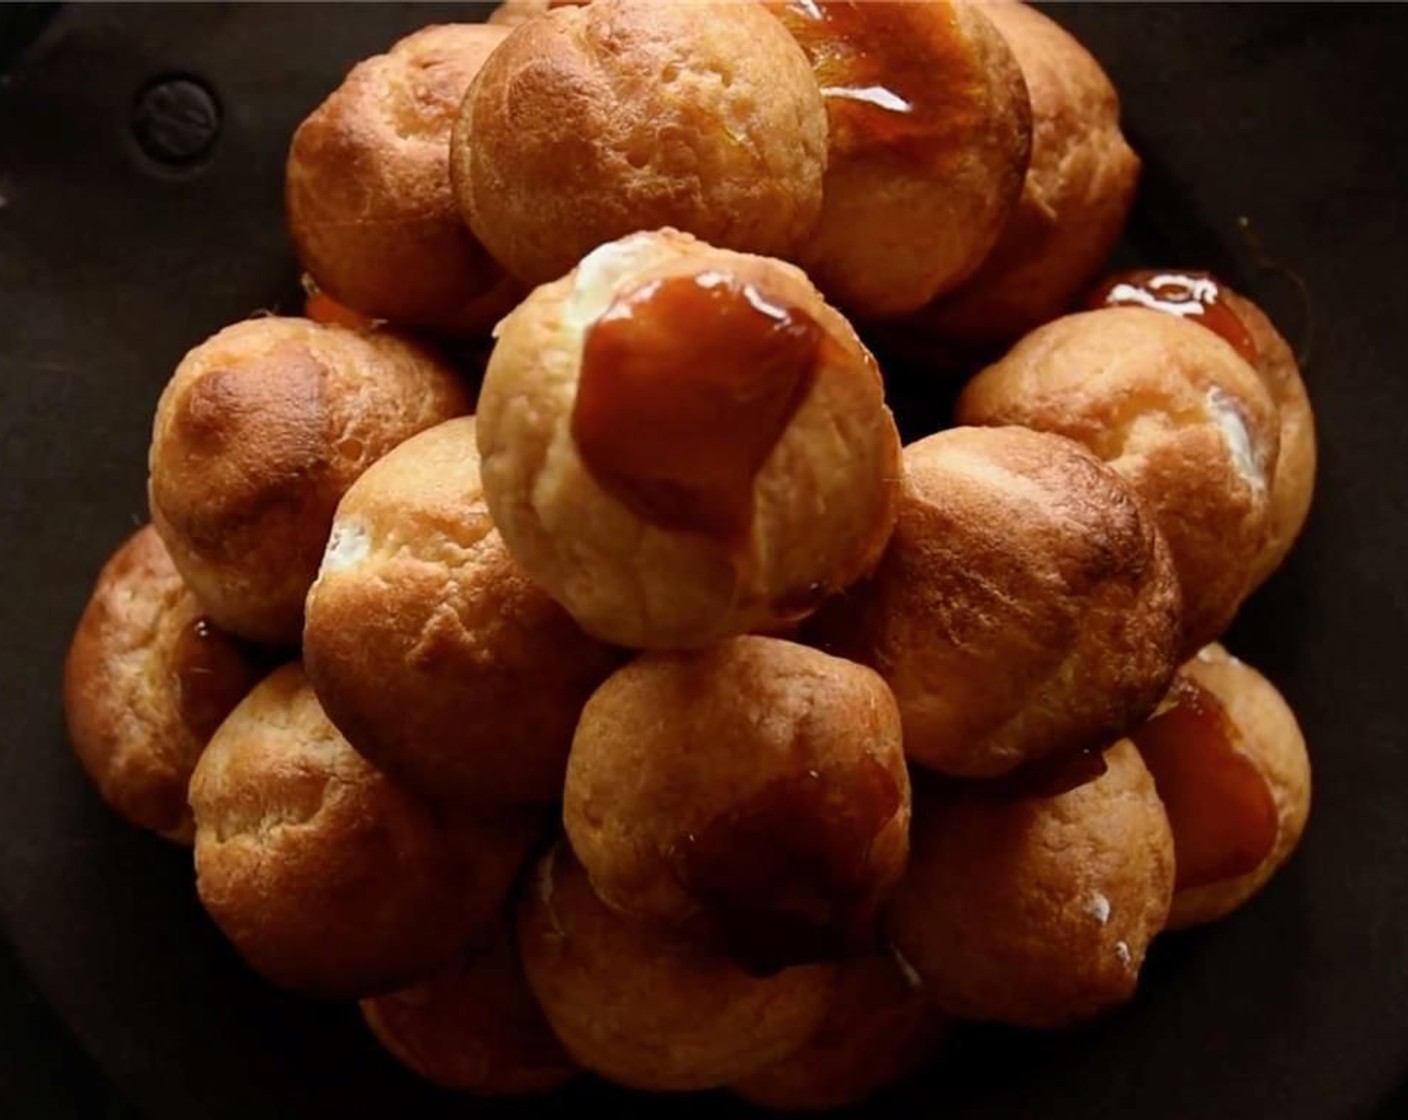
x=631, y=701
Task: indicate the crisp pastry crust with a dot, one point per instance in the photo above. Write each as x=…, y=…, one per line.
x=1176, y=411
x=258, y=434
x=424, y=636
x=1293, y=484
x=755, y=790
x=147, y=681
x=649, y=1012
x=593, y=122
x=1076, y=195
x=1037, y=910
x=1027, y=604
x=369, y=203
x=322, y=873
x=1204, y=299
x=929, y=136
x=683, y=503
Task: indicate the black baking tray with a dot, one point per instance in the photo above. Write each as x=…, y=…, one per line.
x=1276, y=152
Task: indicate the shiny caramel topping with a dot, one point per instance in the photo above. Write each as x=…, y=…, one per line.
x=1219, y=805
x=213, y=672
x=322, y=308
x=686, y=385
x=786, y=876
x=1192, y=295
x=896, y=77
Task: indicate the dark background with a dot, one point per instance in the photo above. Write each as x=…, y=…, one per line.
x=1294, y=118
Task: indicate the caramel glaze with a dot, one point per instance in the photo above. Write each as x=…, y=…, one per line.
x=322, y=308
x=896, y=77
x=785, y=876
x=1193, y=295
x=213, y=671
x=687, y=383
x=1219, y=805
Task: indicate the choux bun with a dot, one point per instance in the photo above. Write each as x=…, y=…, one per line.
x=754, y=791
x=1176, y=411
x=649, y=1012
x=1037, y=910
x=1077, y=193
x=1209, y=302
x=369, y=203
x=147, y=681
x=880, y=1028
x=594, y=122
x=324, y=875
x=473, y=1027
x=257, y=436
x=427, y=645
x=681, y=443
x=928, y=140
x=1232, y=770
x=1027, y=605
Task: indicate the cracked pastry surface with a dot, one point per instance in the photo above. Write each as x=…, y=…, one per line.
x=258, y=434
x=147, y=681
x=325, y=875
x=1027, y=604
x=928, y=139
x=1036, y=910
x=646, y=1011
x=428, y=645
x=592, y=122
x=367, y=189
x=681, y=443
x=754, y=791
x=1176, y=411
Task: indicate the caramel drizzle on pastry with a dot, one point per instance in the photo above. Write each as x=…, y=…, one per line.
x=1219, y=805
x=687, y=383
x=1191, y=295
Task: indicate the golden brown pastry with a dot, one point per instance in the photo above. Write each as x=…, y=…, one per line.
x=1231, y=768
x=594, y=122
x=147, y=681
x=429, y=647
x=1207, y=301
x=1075, y=198
x=473, y=1027
x=1027, y=604
x=648, y=1012
x=1176, y=411
x=756, y=790
x=1036, y=910
x=682, y=443
x=258, y=434
x=370, y=208
x=879, y=1029
x=326, y=876
x=930, y=131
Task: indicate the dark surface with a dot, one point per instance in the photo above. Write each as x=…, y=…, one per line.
x=112, y=265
